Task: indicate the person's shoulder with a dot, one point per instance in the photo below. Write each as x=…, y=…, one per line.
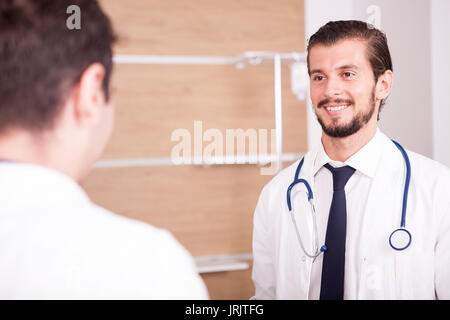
x=428, y=167
x=422, y=166
x=430, y=176
x=285, y=176
x=139, y=237
x=127, y=237
x=151, y=256
x=115, y=226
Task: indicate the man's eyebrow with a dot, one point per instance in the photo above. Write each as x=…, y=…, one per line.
x=315, y=71
x=348, y=66
x=345, y=66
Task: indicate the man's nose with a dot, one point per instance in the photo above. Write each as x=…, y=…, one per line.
x=333, y=87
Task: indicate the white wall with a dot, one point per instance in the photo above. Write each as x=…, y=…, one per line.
x=440, y=79
x=415, y=113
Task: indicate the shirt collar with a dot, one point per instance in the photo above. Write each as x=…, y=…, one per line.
x=364, y=160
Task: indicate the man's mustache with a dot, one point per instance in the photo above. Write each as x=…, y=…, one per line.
x=334, y=101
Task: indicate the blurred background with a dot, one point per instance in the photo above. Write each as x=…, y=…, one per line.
x=209, y=209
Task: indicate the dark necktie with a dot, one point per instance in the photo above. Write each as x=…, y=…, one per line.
x=332, y=285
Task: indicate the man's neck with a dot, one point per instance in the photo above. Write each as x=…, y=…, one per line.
x=340, y=149
x=25, y=147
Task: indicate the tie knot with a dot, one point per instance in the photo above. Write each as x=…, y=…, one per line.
x=340, y=176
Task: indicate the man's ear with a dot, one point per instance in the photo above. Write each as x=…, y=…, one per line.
x=89, y=96
x=384, y=85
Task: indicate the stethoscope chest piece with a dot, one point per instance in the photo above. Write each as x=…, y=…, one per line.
x=400, y=239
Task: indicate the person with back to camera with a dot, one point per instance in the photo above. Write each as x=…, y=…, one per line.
x=56, y=116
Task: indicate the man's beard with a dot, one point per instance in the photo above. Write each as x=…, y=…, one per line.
x=358, y=121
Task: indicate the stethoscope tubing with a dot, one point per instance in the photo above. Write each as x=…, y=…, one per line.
x=311, y=196
x=407, y=179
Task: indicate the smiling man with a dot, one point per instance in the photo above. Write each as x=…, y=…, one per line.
x=358, y=217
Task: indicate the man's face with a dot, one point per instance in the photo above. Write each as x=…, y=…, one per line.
x=342, y=87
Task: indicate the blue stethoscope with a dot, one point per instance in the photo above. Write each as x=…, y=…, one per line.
x=400, y=239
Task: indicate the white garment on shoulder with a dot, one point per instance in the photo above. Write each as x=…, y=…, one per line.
x=373, y=270
x=56, y=244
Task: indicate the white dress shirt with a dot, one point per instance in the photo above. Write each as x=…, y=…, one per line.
x=356, y=191
x=56, y=244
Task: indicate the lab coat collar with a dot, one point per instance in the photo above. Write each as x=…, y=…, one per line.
x=23, y=184
x=364, y=160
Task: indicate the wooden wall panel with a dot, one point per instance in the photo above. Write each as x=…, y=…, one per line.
x=153, y=100
x=207, y=27
x=209, y=210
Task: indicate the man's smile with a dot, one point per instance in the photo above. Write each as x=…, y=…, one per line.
x=336, y=109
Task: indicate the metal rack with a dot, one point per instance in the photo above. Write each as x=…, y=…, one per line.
x=299, y=84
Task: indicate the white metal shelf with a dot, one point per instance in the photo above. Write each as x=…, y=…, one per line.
x=213, y=161
x=223, y=263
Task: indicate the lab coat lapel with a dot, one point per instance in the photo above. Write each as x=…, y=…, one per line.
x=382, y=216
x=296, y=286
x=307, y=174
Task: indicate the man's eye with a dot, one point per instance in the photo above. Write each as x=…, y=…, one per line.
x=348, y=74
x=318, y=78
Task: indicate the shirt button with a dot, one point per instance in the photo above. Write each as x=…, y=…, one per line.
x=303, y=259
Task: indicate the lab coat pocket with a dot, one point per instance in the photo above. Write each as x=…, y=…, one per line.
x=377, y=278
x=414, y=274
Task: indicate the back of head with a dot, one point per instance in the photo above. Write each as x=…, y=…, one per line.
x=41, y=59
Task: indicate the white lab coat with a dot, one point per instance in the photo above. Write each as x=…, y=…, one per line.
x=282, y=271
x=56, y=244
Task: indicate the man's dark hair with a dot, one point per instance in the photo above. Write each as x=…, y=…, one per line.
x=41, y=59
x=377, y=47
